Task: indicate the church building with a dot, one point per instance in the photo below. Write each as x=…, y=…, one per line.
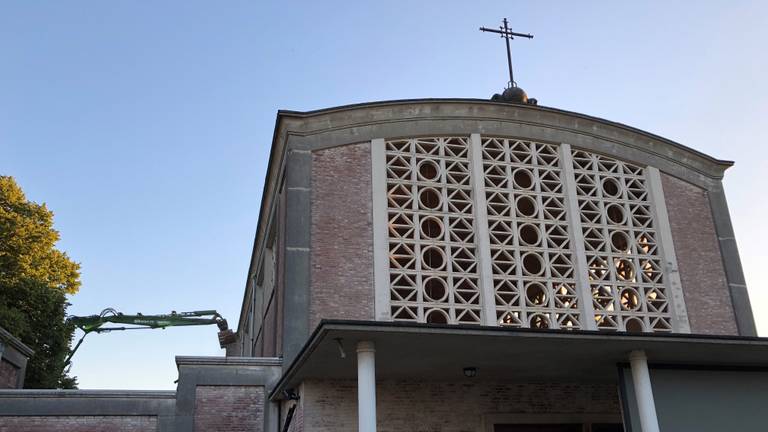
x=489, y=266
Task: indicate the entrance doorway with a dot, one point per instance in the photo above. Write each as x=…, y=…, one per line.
x=539, y=428
x=572, y=427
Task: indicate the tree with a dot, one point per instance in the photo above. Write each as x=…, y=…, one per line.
x=35, y=279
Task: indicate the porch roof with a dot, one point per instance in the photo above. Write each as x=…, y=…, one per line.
x=441, y=352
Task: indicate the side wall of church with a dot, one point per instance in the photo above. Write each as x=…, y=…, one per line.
x=341, y=234
x=705, y=285
x=331, y=405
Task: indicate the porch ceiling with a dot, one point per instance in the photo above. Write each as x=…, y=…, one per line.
x=436, y=352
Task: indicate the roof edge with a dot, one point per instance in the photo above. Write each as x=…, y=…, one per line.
x=305, y=114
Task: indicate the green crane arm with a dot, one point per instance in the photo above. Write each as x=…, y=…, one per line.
x=96, y=324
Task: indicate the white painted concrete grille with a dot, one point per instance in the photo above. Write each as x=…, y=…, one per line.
x=624, y=266
x=533, y=281
x=432, y=250
x=512, y=232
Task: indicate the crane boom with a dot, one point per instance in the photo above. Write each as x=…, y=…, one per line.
x=96, y=324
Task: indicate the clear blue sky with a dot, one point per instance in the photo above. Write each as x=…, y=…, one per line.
x=146, y=126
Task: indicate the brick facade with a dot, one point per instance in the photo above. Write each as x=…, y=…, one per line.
x=229, y=408
x=78, y=423
x=413, y=405
x=342, y=236
x=698, y=257
x=297, y=422
x=8, y=375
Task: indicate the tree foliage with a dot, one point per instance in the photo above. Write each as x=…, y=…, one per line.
x=35, y=279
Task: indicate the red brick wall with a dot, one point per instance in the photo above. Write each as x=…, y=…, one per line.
x=342, y=234
x=78, y=424
x=229, y=408
x=705, y=287
x=8, y=375
x=331, y=406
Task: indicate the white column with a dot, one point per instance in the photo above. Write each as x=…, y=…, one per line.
x=641, y=380
x=366, y=387
x=381, y=306
x=487, y=293
x=581, y=273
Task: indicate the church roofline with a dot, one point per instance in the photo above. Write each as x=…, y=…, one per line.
x=301, y=126
x=283, y=113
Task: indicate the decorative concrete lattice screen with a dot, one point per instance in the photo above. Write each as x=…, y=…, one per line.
x=625, y=269
x=533, y=273
x=432, y=260
x=511, y=232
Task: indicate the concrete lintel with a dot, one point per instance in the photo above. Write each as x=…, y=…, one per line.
x=86, y=403
x=182, y=361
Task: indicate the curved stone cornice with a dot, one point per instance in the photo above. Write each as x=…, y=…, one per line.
x=404, y=117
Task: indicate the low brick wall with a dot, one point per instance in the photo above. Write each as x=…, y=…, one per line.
x=78, y=424
x=220, y=394
x=86, y=411
x=229, y=408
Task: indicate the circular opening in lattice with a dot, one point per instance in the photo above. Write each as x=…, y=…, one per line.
x=432, y=258
x=536, y=294
x=620, y=242
x=430, y=199
x=539, y=321
x=434, y=289
x=603, y=296
x=615, y=213
x=523, y=178
x=625, y=270
x=630, y=300
x=429, y=170
x=431, y=228
x=633, y=325
x=437, y=316
x=526, y=206
x=611, y=187
x=532, y=264
x=529, y=234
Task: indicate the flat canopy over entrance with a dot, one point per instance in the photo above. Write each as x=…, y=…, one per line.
x=441, y=352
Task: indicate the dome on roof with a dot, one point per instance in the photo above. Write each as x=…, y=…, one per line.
x=513, y=94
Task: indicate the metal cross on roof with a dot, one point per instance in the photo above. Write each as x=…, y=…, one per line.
x=507, y=34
